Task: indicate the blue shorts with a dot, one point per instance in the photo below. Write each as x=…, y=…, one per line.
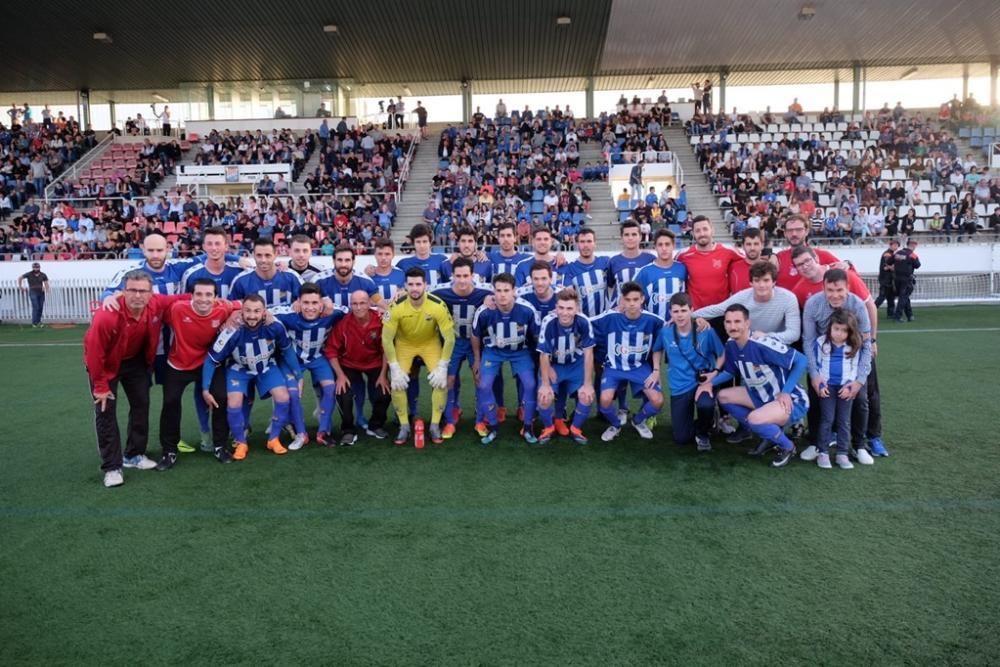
x=612, y=378
x=319, y=367
x=243, y=382
x=799, y=409
x=520, y=362
x=569, y=378
x=462, y=352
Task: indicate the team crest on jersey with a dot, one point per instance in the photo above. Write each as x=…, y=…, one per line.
x=716, y=263
x=186, y=320
x=235, y=383
x=216, y=324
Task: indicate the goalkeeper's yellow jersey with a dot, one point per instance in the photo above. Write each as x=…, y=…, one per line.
x=414, y=327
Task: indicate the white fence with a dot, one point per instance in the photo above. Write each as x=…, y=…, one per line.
x=68, y=300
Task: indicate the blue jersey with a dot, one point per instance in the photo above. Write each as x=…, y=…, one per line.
x=389, y=284
x=591, y=283
x=503, y=264
x=223, y=281
x=542, y=306
x=565, y=345
x=165, y=281
x=836, y=363
x=622, y=269
x=659, y=284
x=340, y=293
x=463, y=308
x=516, y=331
x=522, y=272
x=626, y=343
x=433, y=267
x=765, y=364
x=482, y=271
x=687, y=355
x=309, y=336
x=253, y=350
x=280, y=290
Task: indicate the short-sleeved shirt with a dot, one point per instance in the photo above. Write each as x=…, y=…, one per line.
x=36, y=280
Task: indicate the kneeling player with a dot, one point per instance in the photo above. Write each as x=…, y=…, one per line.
x=566, y=368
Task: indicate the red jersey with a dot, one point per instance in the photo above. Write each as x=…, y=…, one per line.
x=805, y=289
x=193, y=334
x=708, y=274
x=356, y=344
x=739, y=275
x=788, y=277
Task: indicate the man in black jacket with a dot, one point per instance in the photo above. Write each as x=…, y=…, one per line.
x=904, y=263
x=886, y=279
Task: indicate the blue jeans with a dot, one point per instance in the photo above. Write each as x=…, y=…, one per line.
x=37, y=303
x=685, y=424
x=835, y=419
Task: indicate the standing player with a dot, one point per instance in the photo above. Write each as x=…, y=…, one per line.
x=468, y=247
x=505, y=333
x=588, y=275
x=506, y=258
x=432, y=264
x=338, y=283
x=753, y=249
x=566, y=368
x=250, y=350
x=770, y=395
x=301, y=250
x=629, y=337
x=623, y=266
x=539, y=293
x=415, y=328
x=388, y=279
x=797, y=234
x=216, y=267
x=308, y=330
x=663, y=278
x=276, y=288
x=463, y=298
x=707, y=265
x=541, y=243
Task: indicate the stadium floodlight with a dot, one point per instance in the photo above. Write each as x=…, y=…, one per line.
x=563, y=20
x=102, y=37
x=330, y=27
x=807, y=12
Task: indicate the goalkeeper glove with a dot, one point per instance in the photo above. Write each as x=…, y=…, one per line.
x=439, y=376
x=398, y=380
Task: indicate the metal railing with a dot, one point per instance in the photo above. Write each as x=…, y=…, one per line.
x=68, y=300
x=404, y=171
x=84, y=161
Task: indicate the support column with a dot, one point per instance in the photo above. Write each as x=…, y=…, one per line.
x=111, y=110
x=723, y=77
x=210, y=97
x=836, y=90
x=856, y=98
x=466, y=101
x=965, y=81
x=994, y=71
x=335, y=99
x=589, y=93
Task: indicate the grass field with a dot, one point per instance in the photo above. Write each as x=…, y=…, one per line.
x=629, y=553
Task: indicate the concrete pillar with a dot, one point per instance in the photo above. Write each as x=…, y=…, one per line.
x=111, y=110
x=335, y=99
x=994, y=71
x=856, y=97
x=965, y=81
x=836, y=90
x=466, y=100
x=723, y=77
x=210, y=97
x=589, y=93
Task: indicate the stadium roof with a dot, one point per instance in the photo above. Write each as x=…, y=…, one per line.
x=507, y=45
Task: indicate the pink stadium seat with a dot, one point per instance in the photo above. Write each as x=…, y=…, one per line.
x=169, y=227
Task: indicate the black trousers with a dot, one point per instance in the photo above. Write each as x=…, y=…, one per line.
x=379, y=398
x=134, y=378
x=874, y=404
x=174, y=384
x=887, y=294
x=904, y=289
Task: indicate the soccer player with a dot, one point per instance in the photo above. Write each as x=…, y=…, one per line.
x=623, y=266
x=308, y=329
x=707, y=265
x=770, y=395
x=463, y=298
x=739, y=272
x=539, y=292
x=338, y=283
x=796, y=234
x=388, y=279
x=588, y=275
x=250, y=350
x=276, y=288
x=505, y=333
x=566, y=368
x=662, y=278
x=432, y=264
x=541, y=243
x=196, y=325
x=415, y=327
x=216, y=267
x=506, y=258
x=354, y=349
x=628, y=339
x=301, y=250
x=691, y=357
x=468, y=247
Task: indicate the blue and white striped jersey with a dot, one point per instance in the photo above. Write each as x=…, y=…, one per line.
x=463, y=308
x=522, y=272
x=390, y=283
x=340, y=293
x=433, y=267
x=279, y=290
x=565, y=345
x=223, y=281
x=622, y=269
x=309, y=336
x=626, y=343
x=482, y=271
x=503, y=264
x=516, y=331
x=542, y=306
x=250, y=350
x=591, y=283
x=765, y=364
x=836, y=363
x=659, y=284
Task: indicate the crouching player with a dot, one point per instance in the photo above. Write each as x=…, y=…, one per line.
x=250, y=350
x=566, y=368
x=770, y=396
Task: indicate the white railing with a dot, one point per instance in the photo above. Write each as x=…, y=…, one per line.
x=404, y=171
x=68, y=300
x=84, y=161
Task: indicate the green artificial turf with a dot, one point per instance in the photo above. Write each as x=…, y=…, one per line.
x=629, y=553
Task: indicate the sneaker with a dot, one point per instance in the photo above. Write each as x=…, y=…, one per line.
x=501, y=415
x=403, y=435
x=798, y=430
x=301, y=439
x=139, y=461
x=434, y=431
x=643, y=430
x=844, y=462
x=448, y=432
x=323, y=439
x=275, y=446
x=560, y=426
x=223, y=455
x=763, y=447
x=703, y=443
x=166, y=462
x=726, y=424
x=739, y=435
x=348, y=439
x=863, y=457
x=529, y=436
x=782, y=456
x=877, y=447
x=547, y=434
x=823, y=461
x=184, y=448
x=623, y=417
x=240, y=452
x=206, y=443
x=482, y=429
x=577, y=435
x=378, y=432
x=488, y=437
x=809, y=453
x=113, y=478
x=610, y=433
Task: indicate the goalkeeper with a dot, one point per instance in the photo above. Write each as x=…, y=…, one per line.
x=416, y=325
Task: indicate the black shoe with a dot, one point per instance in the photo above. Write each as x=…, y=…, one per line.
x=379, y=432
x=782, y=456
x=166, y=462
x=223, y=455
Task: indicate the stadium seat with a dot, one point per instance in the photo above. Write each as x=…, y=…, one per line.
x=964, y=133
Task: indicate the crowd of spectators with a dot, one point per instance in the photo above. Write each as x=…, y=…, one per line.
x=272, y=147
x=634, y=132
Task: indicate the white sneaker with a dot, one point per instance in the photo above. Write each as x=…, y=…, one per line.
x=726, y=425
x=643, y=430
x=623, y=417
x=610, y=433
x=297, y=443
x=140, y=462
x=113, y=478
x=823, y=461
x=864, y=457
x=844, y=462
x=809, y=453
